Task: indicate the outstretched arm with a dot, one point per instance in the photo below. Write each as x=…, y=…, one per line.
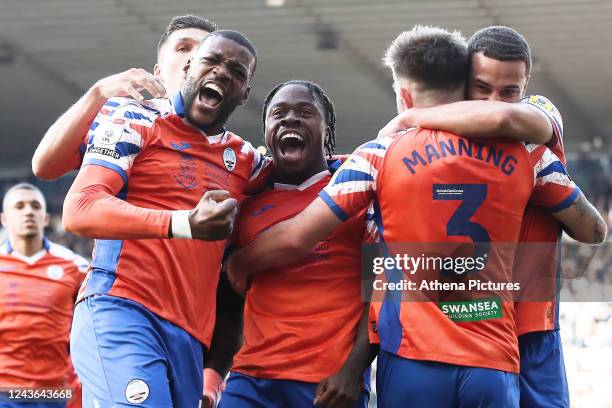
x=59, y=150
x=478, y=119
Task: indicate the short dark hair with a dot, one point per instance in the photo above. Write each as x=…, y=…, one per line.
x=237, y=37
x=317, y=94
x=21, y=186
x=183, y=22
x=501, y=43
x=431, y=56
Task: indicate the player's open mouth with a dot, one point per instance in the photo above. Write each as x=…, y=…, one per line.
x=211, y=94
x=291, y=145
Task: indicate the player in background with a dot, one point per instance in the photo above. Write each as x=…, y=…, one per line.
x=39, y=281
x=499, y=74
x=300, y=344
x=148, y=305
x=62, y=147
x=476, y=361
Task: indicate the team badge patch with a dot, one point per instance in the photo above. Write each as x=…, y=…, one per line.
x=229, y=159
x=55, y=272
x=136, y=392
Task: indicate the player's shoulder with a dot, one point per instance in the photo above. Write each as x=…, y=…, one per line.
x=124, y=110
x=545, y=105
x=67, y=255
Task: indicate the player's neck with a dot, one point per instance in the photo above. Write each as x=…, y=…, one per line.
x=427, y=99
x=26, y=246
x=299, y=178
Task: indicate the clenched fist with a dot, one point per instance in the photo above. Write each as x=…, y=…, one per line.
x=213, y=217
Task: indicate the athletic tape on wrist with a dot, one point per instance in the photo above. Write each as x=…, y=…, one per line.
x=180, y=224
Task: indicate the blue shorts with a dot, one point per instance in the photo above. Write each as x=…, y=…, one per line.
x=402, y=382
x=243, y=391
x=543, y=381
x=126, y=355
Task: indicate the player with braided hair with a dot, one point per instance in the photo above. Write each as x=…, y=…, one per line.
x=317, y=94
x=311, y=354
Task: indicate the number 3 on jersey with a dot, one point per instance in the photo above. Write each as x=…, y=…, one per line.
x=459, y=225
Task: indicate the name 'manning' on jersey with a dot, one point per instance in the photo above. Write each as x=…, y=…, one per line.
x=165, y=164
x=300, y=320
x=406, y=176
x=37, y=294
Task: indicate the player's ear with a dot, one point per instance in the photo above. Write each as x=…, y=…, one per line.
x=46, y=220
x=406, y=98
x=245, y=96
x=3, y=218
x=156, y=70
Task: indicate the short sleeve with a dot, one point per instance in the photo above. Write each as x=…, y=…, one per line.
x=117, y=134
x=353, y=186
x=553, y=190
x=553, y=114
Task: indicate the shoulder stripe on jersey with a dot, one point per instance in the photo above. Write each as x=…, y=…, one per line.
x=112, y=104
x=108, y=165
x=554, y=167
x=136, y=116
x=350, y=175
x=567, y=202
x=333, y=206
x=126, y=148
x=373, y=145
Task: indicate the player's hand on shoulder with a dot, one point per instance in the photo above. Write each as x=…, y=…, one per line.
x=213, y=218
x=340, y=390
x=130, y=83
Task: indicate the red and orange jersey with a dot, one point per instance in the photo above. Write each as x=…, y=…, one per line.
x=37, y=295
x=541, y=228
x=300, y=320
x=432, y=187
x=165, y=164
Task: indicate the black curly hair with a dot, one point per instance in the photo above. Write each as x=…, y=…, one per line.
x=317, y=94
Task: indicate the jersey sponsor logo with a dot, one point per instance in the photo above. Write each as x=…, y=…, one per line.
x=137, y=391
x=105, y=152
x=472, y=310
x=55, y=272
x=229, y=159
x=541, y=102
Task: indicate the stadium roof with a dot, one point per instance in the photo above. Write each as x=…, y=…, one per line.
x=52, y=50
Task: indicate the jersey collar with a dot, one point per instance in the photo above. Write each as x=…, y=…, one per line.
x=179, y=109
x=308, y=183
x=31, y=260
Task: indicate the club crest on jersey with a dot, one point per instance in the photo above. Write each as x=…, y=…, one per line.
x=229, y=159
x=55, y=272
x=136, y=392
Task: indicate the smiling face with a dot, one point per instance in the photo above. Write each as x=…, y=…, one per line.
x=173, y=55
x=217, y=82
x=24, y=214
x=496, y=80
x=295, y=133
